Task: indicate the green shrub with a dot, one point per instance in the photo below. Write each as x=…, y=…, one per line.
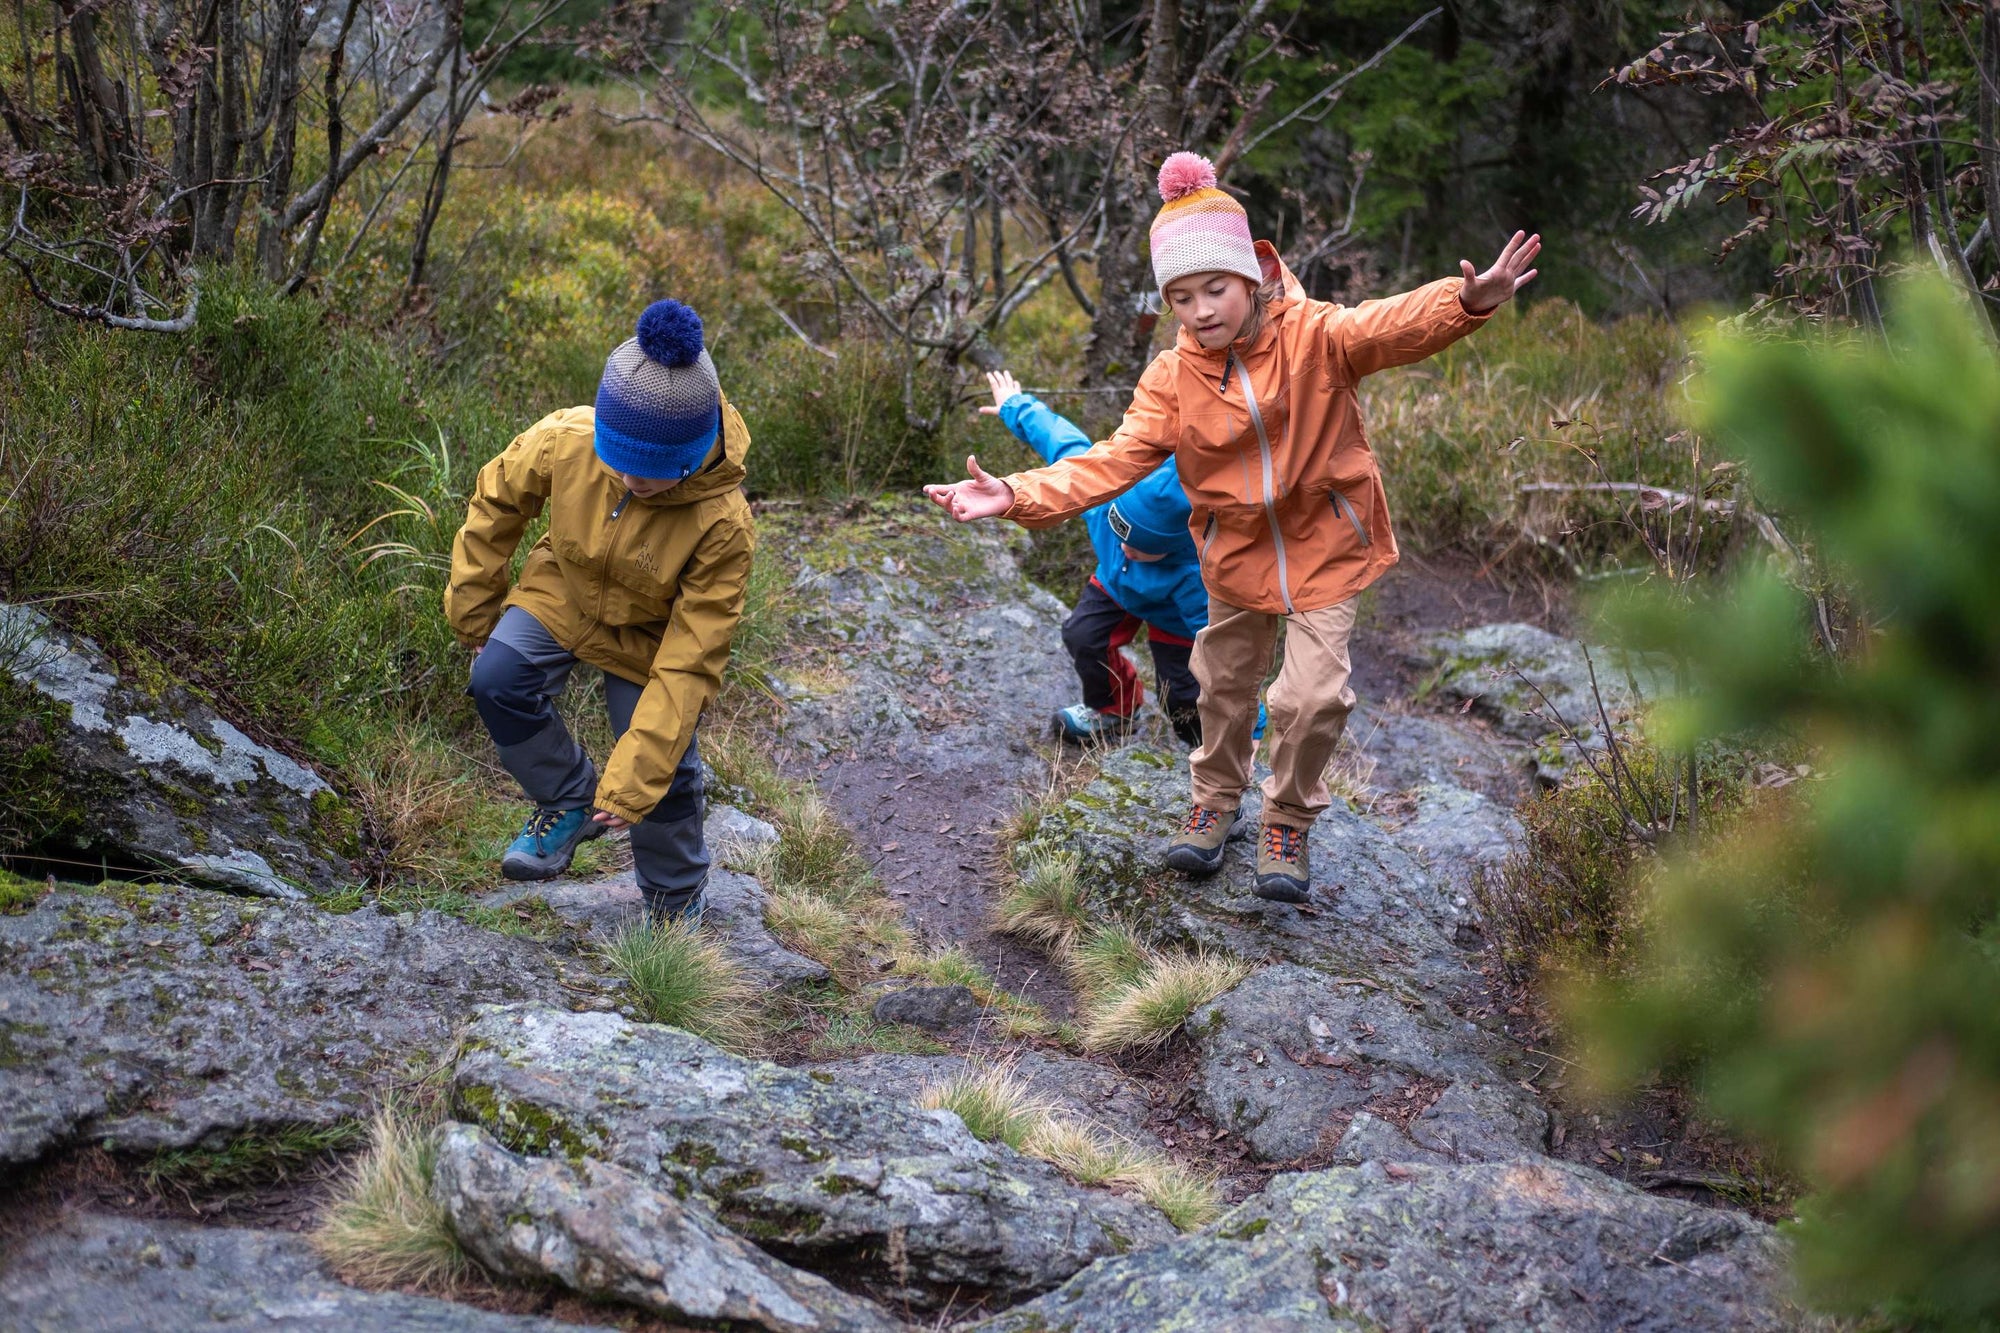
x=1828, y=971
x=1575, y=896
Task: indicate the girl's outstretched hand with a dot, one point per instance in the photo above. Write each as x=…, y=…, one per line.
x=1004, y=386
x=982, y=497
x=1510, y=273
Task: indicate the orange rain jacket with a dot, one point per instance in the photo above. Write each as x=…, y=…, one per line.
x=1289, y=512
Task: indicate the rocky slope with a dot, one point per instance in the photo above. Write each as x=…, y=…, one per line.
x=1390, y=1154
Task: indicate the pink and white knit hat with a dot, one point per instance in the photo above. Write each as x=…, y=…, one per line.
x=1199, y=229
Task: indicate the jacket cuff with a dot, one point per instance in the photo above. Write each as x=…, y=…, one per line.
x=624, y=812
x=1467, y=318
x=1024, y=511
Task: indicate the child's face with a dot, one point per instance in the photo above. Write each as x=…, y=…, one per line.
x=1213, y=307
x=647, y=487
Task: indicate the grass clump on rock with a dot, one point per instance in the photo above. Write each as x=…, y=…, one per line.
x=686, y=980
x=382, y=1229
x=997, y=1107
x=1045, y=904
x=1149, y=1007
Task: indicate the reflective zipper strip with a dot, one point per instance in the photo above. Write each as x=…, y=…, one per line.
x=1270, y=501
x=1353, y=516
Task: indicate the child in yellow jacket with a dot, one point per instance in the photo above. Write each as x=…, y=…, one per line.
x=1256, y=402
x=641, y=574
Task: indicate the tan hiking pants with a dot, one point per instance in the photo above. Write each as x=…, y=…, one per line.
x=1309, y=704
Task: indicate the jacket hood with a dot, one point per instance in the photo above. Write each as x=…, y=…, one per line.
x=720, y=477
x=1290, y=292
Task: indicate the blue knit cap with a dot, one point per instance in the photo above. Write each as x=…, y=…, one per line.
x=659, y=405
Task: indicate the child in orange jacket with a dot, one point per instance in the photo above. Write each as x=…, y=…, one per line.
x=1257, y=403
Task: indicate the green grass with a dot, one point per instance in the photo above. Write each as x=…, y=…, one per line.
x=249, y=1159
x=851, y=1034
x=684, y=979
x=18, y=895
x=382, y=1229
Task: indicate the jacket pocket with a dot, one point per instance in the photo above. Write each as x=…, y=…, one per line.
x=1343, y=505
x=1207, y=536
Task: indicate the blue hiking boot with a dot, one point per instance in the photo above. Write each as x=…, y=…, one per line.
x=1081, y=722
x=660, y=917
x=547, y=843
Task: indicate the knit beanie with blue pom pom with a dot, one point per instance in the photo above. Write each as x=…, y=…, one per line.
x=659, y=406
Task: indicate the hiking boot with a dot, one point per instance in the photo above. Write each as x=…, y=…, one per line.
x=1197, y=848
x=660, y=918
x=547, y=843
x=1281, y=864
x=1081, y=722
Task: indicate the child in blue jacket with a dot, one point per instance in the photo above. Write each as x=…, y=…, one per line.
x=1147, y=572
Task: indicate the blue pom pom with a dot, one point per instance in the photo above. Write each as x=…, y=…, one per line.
x=670, y=333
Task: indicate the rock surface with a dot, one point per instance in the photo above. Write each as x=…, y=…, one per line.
x=602, y=1231
x=159, y=781
x=1522, y=679
x=124, y=1275
x=1086, y=1090
x=933, y=1008
x=149, y=1017
x=1531, y=1244
x=1458, y=834
x=1289, y=1056
x=1375, y=911
x=902, y=1203
x=733, y=912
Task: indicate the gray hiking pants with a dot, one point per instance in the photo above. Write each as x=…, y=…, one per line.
x=515, y=681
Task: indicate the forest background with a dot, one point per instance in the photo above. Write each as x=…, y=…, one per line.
x=281, y=276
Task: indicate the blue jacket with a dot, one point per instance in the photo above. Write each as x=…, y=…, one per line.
x=1152, y=517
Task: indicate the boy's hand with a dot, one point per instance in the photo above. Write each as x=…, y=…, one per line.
x=610, y=821
x=1488, y=291
x=1004, y=386
x=982, y=497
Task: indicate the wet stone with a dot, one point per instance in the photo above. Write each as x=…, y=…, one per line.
x=161, y=781
x=873, y=1194
x=113, y=1274
x=151, y=1017
x=933, y=1008
x=1290, y=1055
x=1418, y=1245
x=604, y=1232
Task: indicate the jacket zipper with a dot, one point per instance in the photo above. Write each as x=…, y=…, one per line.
x=1270, y=500
x=1207, y=536
x=610, y=552
x=1353, y=516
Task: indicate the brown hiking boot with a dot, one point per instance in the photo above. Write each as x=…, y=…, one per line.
x=1281, y=864
x=1197, y=848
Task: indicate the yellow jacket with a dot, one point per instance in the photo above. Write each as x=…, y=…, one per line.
x=649, y=590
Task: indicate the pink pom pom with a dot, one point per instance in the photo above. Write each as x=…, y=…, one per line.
x=1184, y=173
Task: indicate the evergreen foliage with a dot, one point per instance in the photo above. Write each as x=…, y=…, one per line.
x=1827, y=972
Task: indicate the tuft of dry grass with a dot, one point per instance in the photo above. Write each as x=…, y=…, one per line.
x=1152, y=1008
x=1107, y=960
x=439, y=816
x=1045, y=903
x=994, y=1104
x=382, y=1229
x=684, y=979
x=997, y=1106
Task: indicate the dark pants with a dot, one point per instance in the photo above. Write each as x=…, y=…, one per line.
x=1097, y=629
x=515, y=680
